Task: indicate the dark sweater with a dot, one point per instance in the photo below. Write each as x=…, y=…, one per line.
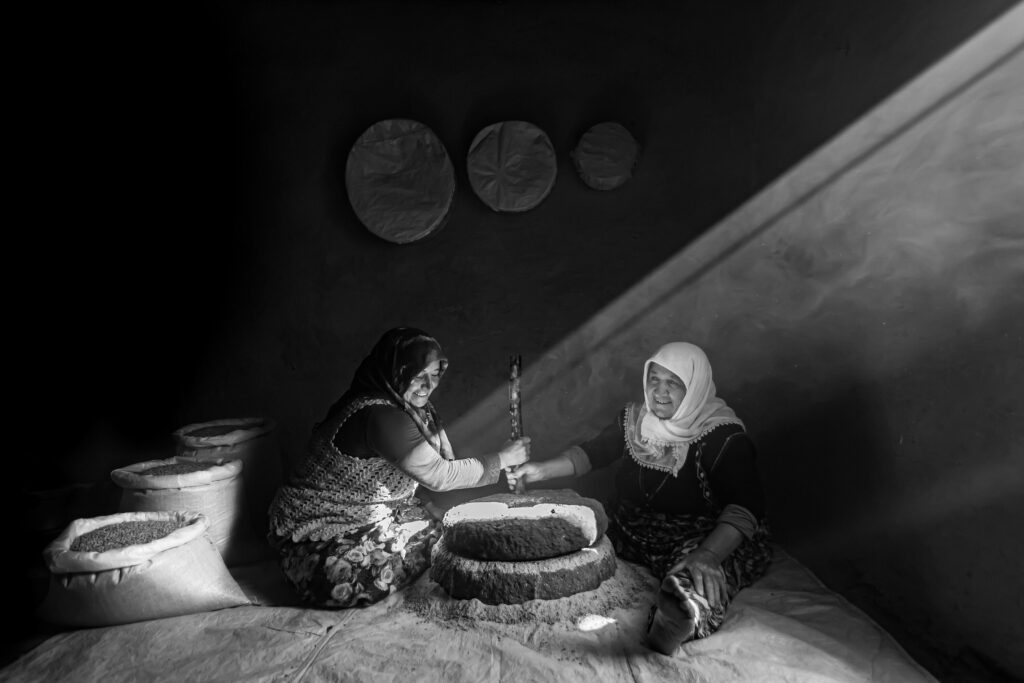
x=730, y=464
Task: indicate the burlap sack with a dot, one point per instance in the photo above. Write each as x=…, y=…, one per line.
x=217, y=492
x=181, y=573
x=254, y=441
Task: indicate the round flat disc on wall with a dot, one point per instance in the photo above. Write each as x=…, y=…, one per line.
x=606, y=156
x=400, y=180
x=512, y=166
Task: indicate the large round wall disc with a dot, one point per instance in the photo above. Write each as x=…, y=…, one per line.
x=400, y=180
x=606, y=156
x=511, y=166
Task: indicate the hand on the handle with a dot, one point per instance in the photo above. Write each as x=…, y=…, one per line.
x=515, y=452
x=525, y=474
x=514, y=485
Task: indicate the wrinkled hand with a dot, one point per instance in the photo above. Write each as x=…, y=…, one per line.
x=527, y=473
x=515, y=452
x=707, y=575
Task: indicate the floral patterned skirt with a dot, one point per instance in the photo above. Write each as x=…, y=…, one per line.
x=659, y=540
x=362, y=567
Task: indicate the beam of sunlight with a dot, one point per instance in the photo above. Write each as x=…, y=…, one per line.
x=596, y=354
x=593, y=622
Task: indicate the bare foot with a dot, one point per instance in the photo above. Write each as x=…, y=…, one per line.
x=670, y=627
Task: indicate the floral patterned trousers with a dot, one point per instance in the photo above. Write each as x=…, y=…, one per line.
x=658, y=541
x=363, y=567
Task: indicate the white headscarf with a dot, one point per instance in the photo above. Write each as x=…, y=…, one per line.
x=700, y=410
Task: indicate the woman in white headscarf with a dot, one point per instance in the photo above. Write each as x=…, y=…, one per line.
x=689, y=504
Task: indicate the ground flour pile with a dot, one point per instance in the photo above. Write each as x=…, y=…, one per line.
x=629, y=585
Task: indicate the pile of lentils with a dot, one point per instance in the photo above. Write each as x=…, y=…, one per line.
x=182, y=467
x=123, y=534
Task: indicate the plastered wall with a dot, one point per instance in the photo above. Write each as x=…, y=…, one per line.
x=865, y=316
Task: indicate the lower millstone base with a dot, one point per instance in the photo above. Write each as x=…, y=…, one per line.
x=512, y=583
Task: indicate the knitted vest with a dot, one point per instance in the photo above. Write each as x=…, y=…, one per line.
x=333, y=494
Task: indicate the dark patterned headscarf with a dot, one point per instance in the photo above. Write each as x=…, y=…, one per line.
x=398, y=356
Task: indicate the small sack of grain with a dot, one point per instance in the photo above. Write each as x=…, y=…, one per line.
x=211, y=487
x=135, y=566
x=254, y=441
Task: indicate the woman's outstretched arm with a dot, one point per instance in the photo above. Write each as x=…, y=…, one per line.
x=393, y=435
x=427, y=467
x=570, y=462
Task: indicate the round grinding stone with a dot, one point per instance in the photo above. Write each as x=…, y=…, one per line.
x=513, y=583
x=532, y=526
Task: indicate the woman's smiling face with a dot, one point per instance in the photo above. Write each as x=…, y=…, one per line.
x=665, y=391
x=423, y=384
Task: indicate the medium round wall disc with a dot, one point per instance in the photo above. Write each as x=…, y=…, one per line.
x=512, y=166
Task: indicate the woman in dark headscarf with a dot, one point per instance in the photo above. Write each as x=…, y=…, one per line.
x=347, y=525
x=689, y=502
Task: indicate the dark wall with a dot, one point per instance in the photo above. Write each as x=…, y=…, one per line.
x=189, y=170
x=191, y=252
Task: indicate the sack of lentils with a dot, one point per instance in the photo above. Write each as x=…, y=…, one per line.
x=211, y=487
x=254, y=441
x=135, y=566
